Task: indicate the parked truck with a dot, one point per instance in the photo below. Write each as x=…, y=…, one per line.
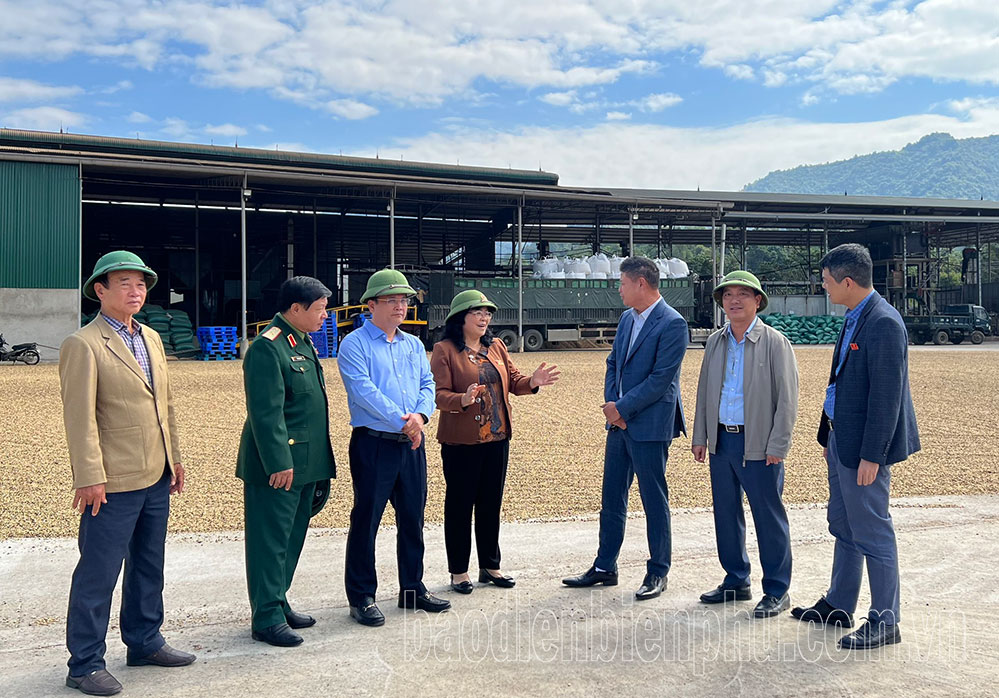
x=955, y=324
x=555, y=310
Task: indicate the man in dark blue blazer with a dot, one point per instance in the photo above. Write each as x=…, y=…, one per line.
x=644, y=413
x=867, y=424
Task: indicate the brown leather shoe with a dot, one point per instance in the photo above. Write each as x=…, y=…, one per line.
x=96, y=683
x=165, y=656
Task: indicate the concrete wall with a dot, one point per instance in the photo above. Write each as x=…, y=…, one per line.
x=46, y=316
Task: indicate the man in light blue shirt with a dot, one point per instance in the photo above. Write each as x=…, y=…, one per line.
x=747, y=397
x=390, y=393
x=731, y=408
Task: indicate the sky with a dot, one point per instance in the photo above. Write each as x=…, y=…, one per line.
x=659, y=94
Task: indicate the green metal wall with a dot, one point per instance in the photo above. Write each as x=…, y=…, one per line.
x=39, y=225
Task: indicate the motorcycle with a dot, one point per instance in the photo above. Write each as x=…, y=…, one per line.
x=28, y=353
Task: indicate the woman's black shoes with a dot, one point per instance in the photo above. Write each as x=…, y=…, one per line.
x=465, y=587
x=505, y=582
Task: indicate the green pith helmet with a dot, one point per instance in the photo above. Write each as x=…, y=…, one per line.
x=119, y=260
x=387, y=282
x=466, y=300
x=741, y=278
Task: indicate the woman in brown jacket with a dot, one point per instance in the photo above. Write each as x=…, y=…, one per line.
x=475, y=377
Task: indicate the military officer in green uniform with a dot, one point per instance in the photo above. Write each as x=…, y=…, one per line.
x=285, y=458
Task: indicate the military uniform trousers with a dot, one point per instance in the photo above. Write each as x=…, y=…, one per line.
x=276, y=522
x=382, y=471
x=130, y=527
x=859, y=520
x=763, y=485
x=624, y=460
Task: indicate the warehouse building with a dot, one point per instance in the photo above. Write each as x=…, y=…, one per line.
x=224, y=226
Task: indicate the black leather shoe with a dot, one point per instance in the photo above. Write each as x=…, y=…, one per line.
x=771, y=605
x=465, y=587
x=424, y=602
x=297, y=621
x=652, y=587
x=96, y=683
x=822, y=612
x=367, y=613
x=591, y=577
x=506, y=581
x=279, y=635
x=723, y=594
x=870, y=636
x=164, y=656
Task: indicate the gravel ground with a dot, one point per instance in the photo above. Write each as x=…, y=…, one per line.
x=556, y=453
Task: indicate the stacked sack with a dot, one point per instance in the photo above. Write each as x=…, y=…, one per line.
x=600, y=266
x=672, y=268
x=821, y=329
x=182, y=335
x=159, y=319
x=173, y=326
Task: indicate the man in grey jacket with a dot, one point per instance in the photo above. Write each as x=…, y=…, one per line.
x=747, y=401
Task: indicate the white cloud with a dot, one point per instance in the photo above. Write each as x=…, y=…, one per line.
x=773, y=78
x=117, y=87
x=740, y=71
x=18, y=90
x=426, y=52
x=617, y=116
x=137, y=117
x=350, y=109
x=177, y=129
x=632, y=155
x=559, y=99
x=43, y=119
x=263, y=128
x=658, y=102
x=225, y=130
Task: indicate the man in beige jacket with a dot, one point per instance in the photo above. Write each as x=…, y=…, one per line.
x=125, y=457
x=747, y=401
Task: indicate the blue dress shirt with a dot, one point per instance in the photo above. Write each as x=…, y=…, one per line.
x=385, y=380
x=731, y=409
x=849, y=327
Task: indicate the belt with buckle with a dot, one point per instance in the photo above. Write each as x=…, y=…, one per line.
x=387, y=435
x=732, y=428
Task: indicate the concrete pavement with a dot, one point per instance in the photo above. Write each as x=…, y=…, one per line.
x=540, y=638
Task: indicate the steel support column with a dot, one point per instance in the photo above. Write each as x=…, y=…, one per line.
x=520, y=277
x=244, y=344
x=392, y=230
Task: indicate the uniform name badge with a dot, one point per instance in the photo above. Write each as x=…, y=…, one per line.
x=298, y=357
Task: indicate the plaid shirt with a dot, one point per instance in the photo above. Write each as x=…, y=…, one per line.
x=135, y=342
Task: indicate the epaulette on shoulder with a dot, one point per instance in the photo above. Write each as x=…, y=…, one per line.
x=272, y=334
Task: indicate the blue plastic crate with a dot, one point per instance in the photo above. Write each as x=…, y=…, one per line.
x=219, y=357
x=217, y=334
x=214, y=347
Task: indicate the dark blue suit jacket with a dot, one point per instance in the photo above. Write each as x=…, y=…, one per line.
x=874, y=417
x=649, y=375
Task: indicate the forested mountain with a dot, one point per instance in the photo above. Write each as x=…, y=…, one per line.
x=938, y=165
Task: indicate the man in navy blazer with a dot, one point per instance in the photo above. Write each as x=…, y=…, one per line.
x=643, y=413
x=867, y=424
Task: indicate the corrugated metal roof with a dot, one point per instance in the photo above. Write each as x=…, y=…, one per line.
x=758, y=198
x=216, y=153
x=39, y=225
